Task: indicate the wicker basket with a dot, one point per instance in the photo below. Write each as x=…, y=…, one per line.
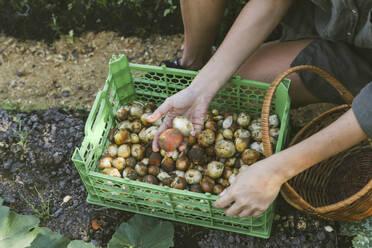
x=339, y=188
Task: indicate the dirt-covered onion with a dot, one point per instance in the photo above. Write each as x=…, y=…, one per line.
x=193, y=176
x=241, y=144
x=206, y=138
x=179, y=183
x=150, y=179
x=196, y=155
x=250, y=156
x=136, y=126
x=136, y=109
x=257, y=135
x=227, y=133
x=257, y=146
x=212, y=125
x=207, y=184
x=217, y=189
x=273, y=120
x=131, y=162
x=138, y=151
x=122, y=113
x=215, y=169
x=121, y=136
x=130, y=173
x=168, y=164
x=224, y=148
x=243, y=119
x=141, y=169
x=144, y=119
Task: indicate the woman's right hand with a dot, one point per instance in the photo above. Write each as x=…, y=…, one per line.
x=191, y=103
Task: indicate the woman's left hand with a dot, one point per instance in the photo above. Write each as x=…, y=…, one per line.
x=252, y=192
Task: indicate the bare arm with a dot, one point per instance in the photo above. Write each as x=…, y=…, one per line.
x=257, y=186
x=254, y=24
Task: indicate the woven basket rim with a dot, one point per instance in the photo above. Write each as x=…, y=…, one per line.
x=331, y=207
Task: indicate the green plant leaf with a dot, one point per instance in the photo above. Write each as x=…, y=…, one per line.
x=80, y=244
x=22, y=231
x=49, y=239
x=143, y=232
x=362, y=230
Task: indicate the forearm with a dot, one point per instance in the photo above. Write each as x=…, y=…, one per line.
x=337, y=137
x=255, y=22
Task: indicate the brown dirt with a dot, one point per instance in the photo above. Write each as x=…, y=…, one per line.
x=70, y=74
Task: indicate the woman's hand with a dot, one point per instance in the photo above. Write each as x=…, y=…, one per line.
x=252, y=192
x=191, y=103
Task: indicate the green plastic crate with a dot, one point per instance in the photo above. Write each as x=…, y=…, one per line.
x=127, y=82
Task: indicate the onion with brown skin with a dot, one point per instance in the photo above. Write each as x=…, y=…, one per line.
x=111, y=135
x=170, y=139
x=130, y=173
x=217, y=189
x=207, y=185
x=150, y=179
x=138, y=151
x=168, y=181
x=191, y=140
x=215, y=169
x=227, y=133
x=212, y=125
x=131, y=162
x=257, y=135
x=196, y=155
x=168, y=164
x=122, y=113
x=155, y=159
x=179, y=183
x=206, y=138
x=196, y=188
x=227, y=172
x=136, y=126
x=250, y=156
x=210, y=151
x=224, y=182
x=124, y=151
x=182, y=162
x=230, y=162
x=144, y=119
x=154, y=170
x=215, y=112
x=141, y=169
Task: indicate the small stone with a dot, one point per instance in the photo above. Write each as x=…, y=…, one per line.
x=328, y=228
x=67, y=198
x=65, y=93
x=301, y=225
x=19, y=74
x=13, y=84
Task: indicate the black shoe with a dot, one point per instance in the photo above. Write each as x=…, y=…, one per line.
x=175, y=64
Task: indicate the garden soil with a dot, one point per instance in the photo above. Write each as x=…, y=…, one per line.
x=36, y=147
